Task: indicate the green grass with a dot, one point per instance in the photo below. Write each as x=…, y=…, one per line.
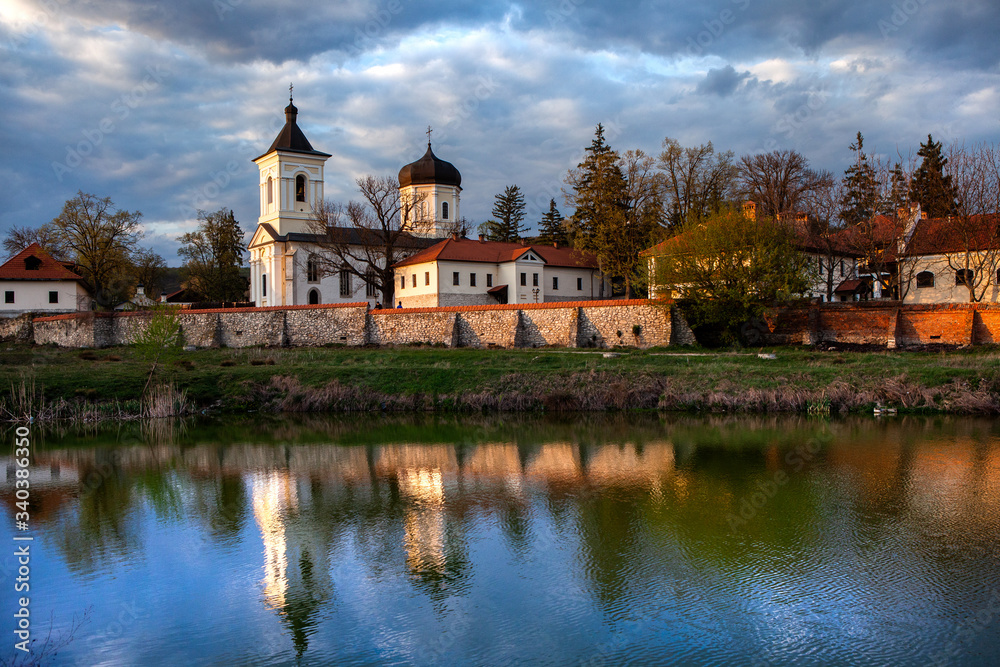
x=233, y=379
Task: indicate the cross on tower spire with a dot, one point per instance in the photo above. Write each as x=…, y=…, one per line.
x=290, y=92
x=429, y=136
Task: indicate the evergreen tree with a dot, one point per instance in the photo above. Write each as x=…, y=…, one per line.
x=508, y=209
x=930, y=186
x=214, y=254
x=551, y=229
x=899, y=191
x=599, y=191
x=861, y=196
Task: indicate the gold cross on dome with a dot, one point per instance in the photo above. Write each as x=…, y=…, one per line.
x=429, y=135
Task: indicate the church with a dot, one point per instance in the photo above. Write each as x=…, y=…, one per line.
x=288, y=268
x=285, y=269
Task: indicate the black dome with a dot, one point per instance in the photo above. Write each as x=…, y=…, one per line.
x=429, y=169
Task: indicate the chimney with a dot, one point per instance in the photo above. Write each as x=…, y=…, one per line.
x=454, y=236
x=140, y=290
x=481, y=239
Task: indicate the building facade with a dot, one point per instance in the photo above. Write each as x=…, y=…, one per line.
x=33, y=282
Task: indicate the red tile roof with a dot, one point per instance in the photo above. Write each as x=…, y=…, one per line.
x=495, y=252
x=47, y=268
x=937, y=236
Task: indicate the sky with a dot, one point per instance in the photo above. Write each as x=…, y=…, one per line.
x=161, y=106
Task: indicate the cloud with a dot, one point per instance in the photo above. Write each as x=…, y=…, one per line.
x=722, y=82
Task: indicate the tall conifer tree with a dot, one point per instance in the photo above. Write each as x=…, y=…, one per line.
x=930, y=186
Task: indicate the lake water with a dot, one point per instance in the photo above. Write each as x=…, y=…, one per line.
x=510, y=540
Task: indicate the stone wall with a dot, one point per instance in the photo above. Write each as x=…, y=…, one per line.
x=17, y=329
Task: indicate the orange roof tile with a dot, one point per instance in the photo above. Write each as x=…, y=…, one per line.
x=495, y=252
x=42, y=266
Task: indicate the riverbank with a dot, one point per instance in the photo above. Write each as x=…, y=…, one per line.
x=90, y=385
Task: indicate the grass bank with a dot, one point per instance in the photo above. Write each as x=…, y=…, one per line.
x=57, y=383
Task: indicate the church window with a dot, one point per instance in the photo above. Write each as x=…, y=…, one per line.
x=489, y=280
x=414, y=280
x=427, y=277
x=263, y=284
x=555, y=282
x=53, y=296
x=454, y=278
x=579, y=284
x=312, y=270
x=371, y=286
x=313, y=297
x=402, y=282
x=841, y=268
x=534, y=280
x=444, y=211
x=472, y=279
x=524, y=279
x=300, y=188
x=345, y=282
x=270, y=190
x=925, y=279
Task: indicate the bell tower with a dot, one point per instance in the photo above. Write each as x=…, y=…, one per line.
x=430, y=190
x=291, y=178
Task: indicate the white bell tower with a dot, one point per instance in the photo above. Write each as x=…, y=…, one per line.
x=291, y=178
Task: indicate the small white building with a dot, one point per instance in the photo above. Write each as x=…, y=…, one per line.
x=32, y=281
x=465, y=272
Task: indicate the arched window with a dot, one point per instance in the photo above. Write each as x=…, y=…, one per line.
x=965, y=277
x=270, y=190
x=312, y=270
x=444, y=211
x=313, y=297
x=300, y=188
x=925, y=279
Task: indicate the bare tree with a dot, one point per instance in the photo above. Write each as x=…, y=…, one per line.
x=824, y=235
x=100, y=239
x=697, y=181
x=19, y=238
x=780, y=181
x=970, y=239
x=366, y=238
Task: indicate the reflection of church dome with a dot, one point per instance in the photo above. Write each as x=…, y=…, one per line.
x=429, y=169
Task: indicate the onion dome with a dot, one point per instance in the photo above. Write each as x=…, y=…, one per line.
x=429, y=169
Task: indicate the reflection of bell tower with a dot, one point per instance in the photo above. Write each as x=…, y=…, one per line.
x=291, y=178
x=296, y=580
x=429, y=191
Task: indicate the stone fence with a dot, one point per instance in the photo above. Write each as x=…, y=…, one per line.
x=602, y=324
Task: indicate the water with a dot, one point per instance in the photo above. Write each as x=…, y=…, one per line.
x=490, y=541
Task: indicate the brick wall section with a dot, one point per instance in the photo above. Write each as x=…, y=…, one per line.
x=552, y=326
x=17, y=329
x=986, y=326
x=924, y=325
x=330, y=325
x=851, y=324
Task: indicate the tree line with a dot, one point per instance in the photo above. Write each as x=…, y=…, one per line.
x=102, y=244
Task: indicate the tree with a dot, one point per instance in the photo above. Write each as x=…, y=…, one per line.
x=617, y=202
x=149, y=270
x=970, y=236
x=779, y=182
x=825, y=235
x=728, y=268
x=552, y=227
x=367, y=238
x=213, y=256
x=508, y=209
x=861, y=192
x=697, y=181
x=100, y=239
x=19, y=238
x=931, y=186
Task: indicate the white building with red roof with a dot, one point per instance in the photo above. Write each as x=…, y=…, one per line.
x=32, y=281
x=465, y=272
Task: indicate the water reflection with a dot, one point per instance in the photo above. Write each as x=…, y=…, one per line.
x=791, y=533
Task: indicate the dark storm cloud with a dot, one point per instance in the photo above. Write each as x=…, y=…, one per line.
x=722, y=82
